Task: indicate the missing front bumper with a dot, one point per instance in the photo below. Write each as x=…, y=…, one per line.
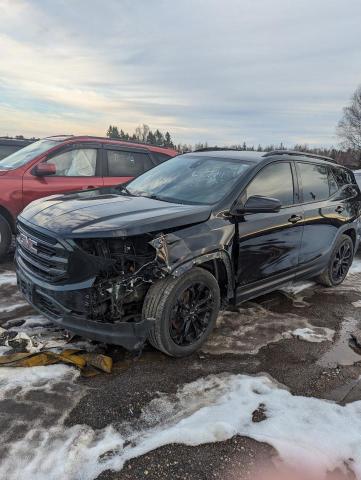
x=130, y=335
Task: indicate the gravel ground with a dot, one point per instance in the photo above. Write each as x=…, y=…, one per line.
x=328, y=370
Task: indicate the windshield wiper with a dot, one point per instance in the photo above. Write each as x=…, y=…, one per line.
x=124, y=188
x=152, y=196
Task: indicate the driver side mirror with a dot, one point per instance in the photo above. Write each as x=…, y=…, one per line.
x=258, y=204
x=44, y=169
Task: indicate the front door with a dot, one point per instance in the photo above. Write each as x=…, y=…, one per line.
x=269, y=243
x=78, y=167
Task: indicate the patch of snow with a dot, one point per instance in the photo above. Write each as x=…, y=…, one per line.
x=12, y=308
x=357, y=304
x=297, y=287
x=4, y=350
x=33, y=323
x=309, y=434
x=34, y=378
x=314, y=335
x=7, y=278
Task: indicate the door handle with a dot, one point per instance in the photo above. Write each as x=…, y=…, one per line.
x=89, y=187
x=339, y=209
x=295, y=218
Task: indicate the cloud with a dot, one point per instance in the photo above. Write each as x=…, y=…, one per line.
x=221, y=72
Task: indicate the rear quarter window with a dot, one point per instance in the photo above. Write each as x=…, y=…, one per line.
x=317, y=182
x=343, y=177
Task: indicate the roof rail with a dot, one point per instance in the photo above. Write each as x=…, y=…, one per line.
x=61, y=135
x=135, y=142
x=216, y=149
x=299, y=153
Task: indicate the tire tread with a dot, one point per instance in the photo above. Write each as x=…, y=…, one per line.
x=325, y=278
x=154, y=306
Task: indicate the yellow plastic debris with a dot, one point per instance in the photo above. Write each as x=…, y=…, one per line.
x=89, y=363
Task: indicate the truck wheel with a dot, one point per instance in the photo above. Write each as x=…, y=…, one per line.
x=185, y=310
x=339, y=263
x=5, y=236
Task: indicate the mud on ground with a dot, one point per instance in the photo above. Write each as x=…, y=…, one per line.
x=300, y=337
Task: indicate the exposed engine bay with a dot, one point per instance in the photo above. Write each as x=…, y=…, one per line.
x=130, y=267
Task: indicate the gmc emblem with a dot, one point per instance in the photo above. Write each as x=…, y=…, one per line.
x=27, y=243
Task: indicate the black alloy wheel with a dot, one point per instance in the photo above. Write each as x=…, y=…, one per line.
x=339, y=263
x=184, y=310
x=342, y=261
x=191, y=314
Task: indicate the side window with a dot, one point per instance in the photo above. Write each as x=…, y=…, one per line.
x=317, y=182
x=342, y=177
x=274, y=181
x=80, y=162
x=127, y=164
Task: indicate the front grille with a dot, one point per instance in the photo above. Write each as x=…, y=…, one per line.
x=46, y=306
x=40, y=254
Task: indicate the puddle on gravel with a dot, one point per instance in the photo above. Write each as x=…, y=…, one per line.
x=341, y=352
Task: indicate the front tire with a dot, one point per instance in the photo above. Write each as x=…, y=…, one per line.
x=184, y=309
x=339, y=263
x=5, y=236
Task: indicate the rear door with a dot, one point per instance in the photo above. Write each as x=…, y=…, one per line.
x=327, y=204
x=78, y=167
x=269, y=243
x=122, y=164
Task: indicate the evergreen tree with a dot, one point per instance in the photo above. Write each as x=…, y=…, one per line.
x=168, y=140
x=113, y=132
x=159, y=138
x=151, y=138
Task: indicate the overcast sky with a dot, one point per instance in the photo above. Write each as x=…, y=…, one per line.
x=221, y=71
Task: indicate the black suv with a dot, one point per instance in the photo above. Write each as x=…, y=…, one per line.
x=157, y=259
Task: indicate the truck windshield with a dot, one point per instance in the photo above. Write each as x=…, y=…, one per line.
x=24, y=155
x=190, y=179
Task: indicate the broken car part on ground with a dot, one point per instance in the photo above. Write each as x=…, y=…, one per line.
x=157, y=259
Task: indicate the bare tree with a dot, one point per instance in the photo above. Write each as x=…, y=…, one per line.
x=349, y=127
x=141, y=133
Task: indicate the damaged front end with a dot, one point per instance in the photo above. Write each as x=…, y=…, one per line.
x=92, y=287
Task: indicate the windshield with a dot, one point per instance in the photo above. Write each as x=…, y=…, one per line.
x=190, y=179
x=26, y=154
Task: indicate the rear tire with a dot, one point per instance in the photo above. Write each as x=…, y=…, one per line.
x=5, y=236
x=184, y=309
x=339, y=263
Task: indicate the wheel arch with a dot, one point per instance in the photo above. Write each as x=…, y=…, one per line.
x=219, y=264
x=351, y=232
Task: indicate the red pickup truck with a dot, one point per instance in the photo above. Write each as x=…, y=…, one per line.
x=67, y=163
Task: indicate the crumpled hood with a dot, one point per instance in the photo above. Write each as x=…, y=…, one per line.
x=97, y=214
